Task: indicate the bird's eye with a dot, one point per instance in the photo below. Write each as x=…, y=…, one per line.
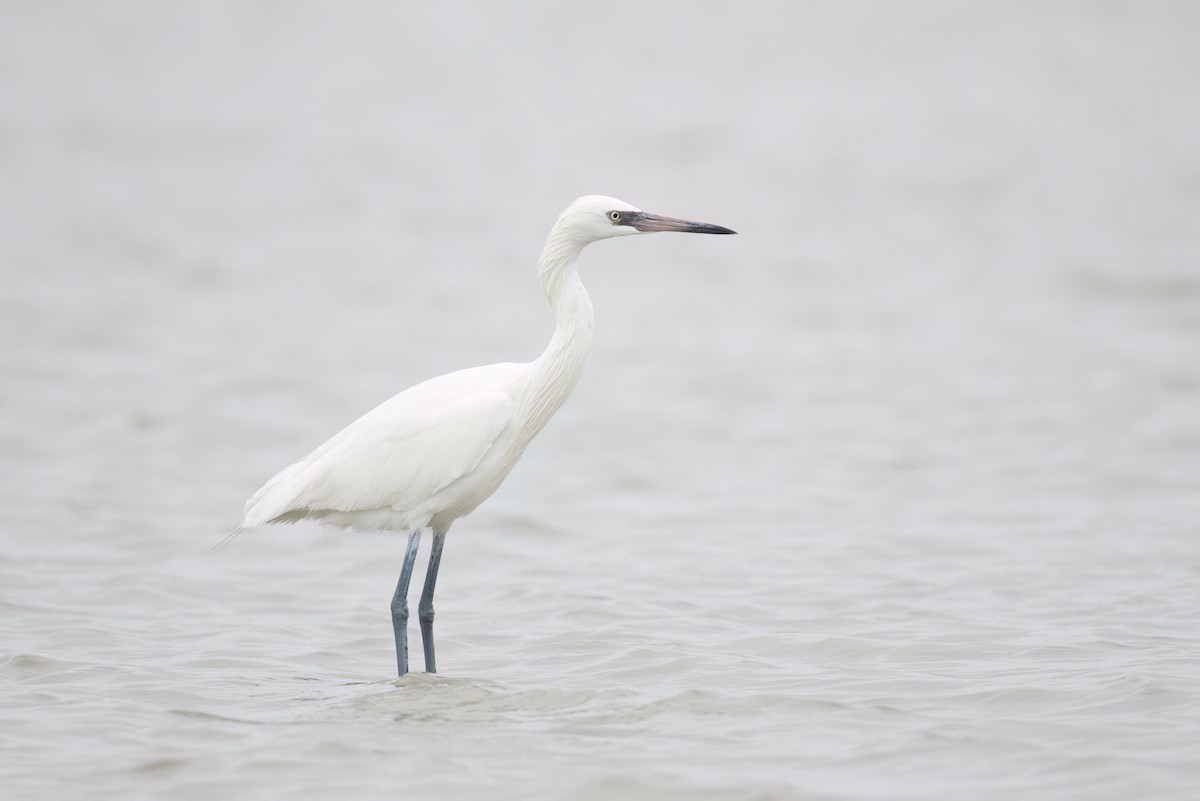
x=615, y=216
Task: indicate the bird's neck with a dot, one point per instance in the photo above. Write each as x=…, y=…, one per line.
x=558, y=369
x=562, y=361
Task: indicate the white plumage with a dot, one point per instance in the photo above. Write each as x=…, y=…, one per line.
x=436, y=451
x=403, y=463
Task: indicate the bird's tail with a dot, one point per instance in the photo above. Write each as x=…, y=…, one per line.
x=226, y=539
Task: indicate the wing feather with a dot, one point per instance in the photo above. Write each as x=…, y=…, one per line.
x=398, y=455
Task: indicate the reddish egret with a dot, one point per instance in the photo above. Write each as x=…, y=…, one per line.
x=434, y=452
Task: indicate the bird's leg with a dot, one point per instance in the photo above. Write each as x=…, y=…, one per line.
x=400, y=602
x=425, y=607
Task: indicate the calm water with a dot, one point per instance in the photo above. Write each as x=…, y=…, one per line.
x=894, y=495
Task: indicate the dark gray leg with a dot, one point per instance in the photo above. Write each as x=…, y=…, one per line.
x=425, y=607
x=400, y=603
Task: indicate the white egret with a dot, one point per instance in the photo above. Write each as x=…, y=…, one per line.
x=434, y=452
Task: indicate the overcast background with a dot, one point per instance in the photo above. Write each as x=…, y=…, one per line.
x=893, y=495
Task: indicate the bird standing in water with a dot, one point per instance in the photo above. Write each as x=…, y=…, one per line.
x=433, y=453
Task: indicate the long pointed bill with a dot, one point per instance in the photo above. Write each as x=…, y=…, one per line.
x=646, y=222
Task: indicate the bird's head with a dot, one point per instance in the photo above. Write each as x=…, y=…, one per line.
x=595, y=217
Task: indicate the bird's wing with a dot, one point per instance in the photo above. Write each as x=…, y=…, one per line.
x=396, y=456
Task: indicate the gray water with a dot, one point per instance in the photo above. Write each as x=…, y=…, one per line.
x=894, y=495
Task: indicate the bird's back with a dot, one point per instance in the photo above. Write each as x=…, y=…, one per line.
x=399, y=465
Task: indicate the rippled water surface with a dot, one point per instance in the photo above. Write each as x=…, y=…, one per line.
x=894, y=495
